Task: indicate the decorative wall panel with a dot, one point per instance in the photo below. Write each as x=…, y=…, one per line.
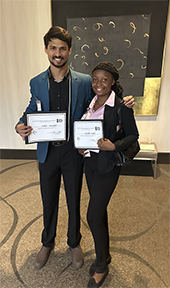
x=130, y=34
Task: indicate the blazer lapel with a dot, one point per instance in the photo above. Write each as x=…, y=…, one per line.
x=74, y=91
x=110, y=119
x=44, y=90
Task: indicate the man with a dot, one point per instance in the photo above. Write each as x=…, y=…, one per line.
x=59, y=89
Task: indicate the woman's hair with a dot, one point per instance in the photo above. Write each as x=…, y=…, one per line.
x=109, y=67
x=60, y=33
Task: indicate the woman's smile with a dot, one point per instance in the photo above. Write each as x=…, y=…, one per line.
x=102, y=82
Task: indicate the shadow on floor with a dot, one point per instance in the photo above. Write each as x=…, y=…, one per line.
x=138, y=168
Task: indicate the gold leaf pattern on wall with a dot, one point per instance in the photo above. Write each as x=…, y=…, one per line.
x=98, y=26
x=138, y=50
x=75, y=28
x=148, y=104
x=71, y=66
x=106, y=50
x=85, y=63
x=129, y=42
x=145, y=17
x=85, y=45
x=76, y=55
x=144, y=67
x=101, y=39
x=96, y=54
x=111, y=22
x=133, y=26
x=122, y=64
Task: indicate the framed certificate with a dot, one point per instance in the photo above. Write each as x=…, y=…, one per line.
x=86, y=133
x=47, y=126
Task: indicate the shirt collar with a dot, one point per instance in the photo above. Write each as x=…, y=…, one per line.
x=110, y=101
x=67, y=74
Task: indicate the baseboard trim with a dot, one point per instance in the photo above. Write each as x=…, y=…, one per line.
x=163, y=158
x=18, y=154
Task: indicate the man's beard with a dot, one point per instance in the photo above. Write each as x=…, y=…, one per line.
x=58, y=66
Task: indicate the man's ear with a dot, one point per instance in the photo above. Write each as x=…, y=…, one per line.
x=70, y=51
x=45, y=49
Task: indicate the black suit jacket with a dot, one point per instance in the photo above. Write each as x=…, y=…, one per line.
x=106, y=159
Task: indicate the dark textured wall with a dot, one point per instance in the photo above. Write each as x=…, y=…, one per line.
x=61, y=10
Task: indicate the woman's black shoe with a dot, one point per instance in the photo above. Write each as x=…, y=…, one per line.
x=92, y=283
x=92, y=267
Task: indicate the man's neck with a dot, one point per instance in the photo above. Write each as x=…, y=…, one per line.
x=58, y=73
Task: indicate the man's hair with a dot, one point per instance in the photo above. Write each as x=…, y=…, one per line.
x=60, y=33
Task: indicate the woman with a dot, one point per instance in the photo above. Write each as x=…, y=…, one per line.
x=100, y=169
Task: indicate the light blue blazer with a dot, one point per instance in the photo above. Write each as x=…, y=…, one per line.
x=80, y=98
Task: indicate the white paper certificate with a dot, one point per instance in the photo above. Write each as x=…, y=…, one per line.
x=87, y=133
x=47, y=126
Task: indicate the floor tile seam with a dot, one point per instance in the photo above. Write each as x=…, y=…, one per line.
x=13, y=227
x=14, y=166
x=133, y=236
x=142, y=199
x=148, y=265
x=165, y=172
x=134, y=255
x=19, y=190
x=13, y=252
x=137, y=196
x=164, y=209
x=31, y=184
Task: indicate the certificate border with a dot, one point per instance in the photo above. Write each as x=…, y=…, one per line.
x=85, y=120
x=44, y=112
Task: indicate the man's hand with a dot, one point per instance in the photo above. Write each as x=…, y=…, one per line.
x=106, y=144
x=83, y=152
x=23, y=130
x=129, y=101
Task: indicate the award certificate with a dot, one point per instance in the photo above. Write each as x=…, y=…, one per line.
x=87, y=133
x=47, y=126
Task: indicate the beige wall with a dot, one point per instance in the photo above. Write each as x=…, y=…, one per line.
x=158, y=127
x=23, y=25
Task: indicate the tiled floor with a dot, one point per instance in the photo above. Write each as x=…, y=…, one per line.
x=139, y=229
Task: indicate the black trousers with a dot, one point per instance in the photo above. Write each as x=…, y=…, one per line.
x=101, y=187
x=67, y=161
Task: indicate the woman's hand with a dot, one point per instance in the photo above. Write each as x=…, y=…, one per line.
x=106, y=144
x=129, y=101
